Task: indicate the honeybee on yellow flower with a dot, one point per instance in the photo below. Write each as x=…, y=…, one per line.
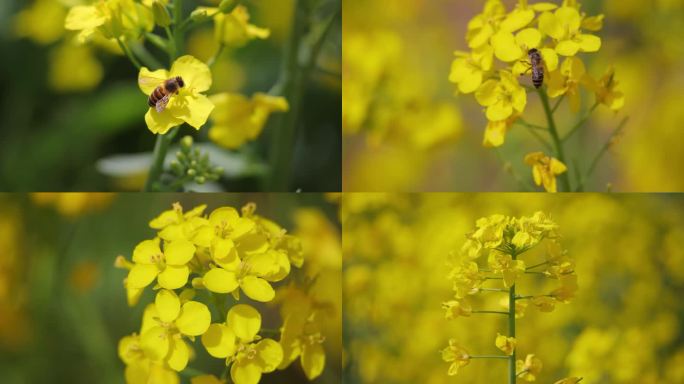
x=161, y=95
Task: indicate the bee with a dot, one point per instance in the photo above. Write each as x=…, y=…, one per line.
x=536, y=66
x=161, y=95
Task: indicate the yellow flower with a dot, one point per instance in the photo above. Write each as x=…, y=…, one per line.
x=544, y=303
x=481, y=27
x=506, y=266
x=234, y=30
x=189, y=105
x=173, y=224
x=237, y=341
x=605, y=90
x=64, y=58
x=42, y=21
x=564, y=27
x=466, y=279
x=238, y=120
x=510, y=48
x=495, y=132
x=166, y=322
x=109, y=18
x=170, y=266
x=456, y=355
x=301, y=336
x=455, y=308
x=505, y=344
x=140, y=369
x=468, y=69
x=566, y=81
x=545, y=169
x=501, y=97
x=528, y=369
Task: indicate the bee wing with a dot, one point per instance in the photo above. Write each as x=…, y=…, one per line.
x=161, y=104
x=150, y=81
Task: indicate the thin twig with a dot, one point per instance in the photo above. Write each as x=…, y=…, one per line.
x=580, y=123
x=128, y=53
x=602, y=152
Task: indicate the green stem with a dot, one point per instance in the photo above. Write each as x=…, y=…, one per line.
x=532, y=129
x=291, y=85
x=499, y=312
x=602, y=152
x=487, y=357
x=536, y=265
x=212, y=60
x=161, y=146
x=172, y=42
x=145, y=56
x=511, y=327
x=564, y=179
x=553, y=110
x=580, y=123
x=178, y=32
x=128, y=53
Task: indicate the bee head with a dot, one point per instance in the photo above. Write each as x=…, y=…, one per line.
x=180, y=81
x=533, y=50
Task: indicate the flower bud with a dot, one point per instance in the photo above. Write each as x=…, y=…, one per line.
x=199, y=15
x=161, y=14
x=191, y=172
x=200, y=179
x=186, y=142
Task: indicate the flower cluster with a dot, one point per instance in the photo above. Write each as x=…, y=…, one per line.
x=558, y=34
x=499, y=241
x=223, y=256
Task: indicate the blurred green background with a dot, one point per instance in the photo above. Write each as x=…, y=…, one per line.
x=62, y=302
x=65, y=108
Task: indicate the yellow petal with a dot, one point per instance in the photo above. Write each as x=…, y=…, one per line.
x=269, y=354
x=161, y=122
x=517, y=19
x=195, y=73
x=141, y=275
x=223, y=216
x=550, y=58
x=241, y=227
x=179, y=252
x=487, y=94
x=536, y=174
x=494, y=134
x=193, y=109
x=557, y=167
x=178, y=355
x=194, y=319
x=519, y=99
x=245, y=372
x=148, y=81
x=155, y=342
x=313, y=360
x=481, y=37
x=219, y=341
x=146, y=251
x=253, y=243
x=220, y=281
x=543, y=7
x=593, y=23
x=83, y=17
x=165, y=218
x=529, y=38
x=549, y=25
x=173, y=277
x=205, y=379
x=589, y=43
x=158, y=374
x=500, y=110
x=567, y=48
x=245, y=321
x=569, y=19
x=257, y=288
x=167, y=304
x=225, y=254
x=505, y=47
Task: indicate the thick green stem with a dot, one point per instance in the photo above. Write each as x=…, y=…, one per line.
x=557, y=143
x=511, y=328
x=161, y=146
x=291, y=85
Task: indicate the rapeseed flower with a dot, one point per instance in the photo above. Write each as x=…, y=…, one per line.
x=189, y=105
x=238, y=120
x=238, y=342
x=456, y=355
x=545, y=169
x=168, y=266
x=112, y=19
x=505, y=344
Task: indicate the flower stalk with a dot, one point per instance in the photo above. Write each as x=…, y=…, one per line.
x=557, y=142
